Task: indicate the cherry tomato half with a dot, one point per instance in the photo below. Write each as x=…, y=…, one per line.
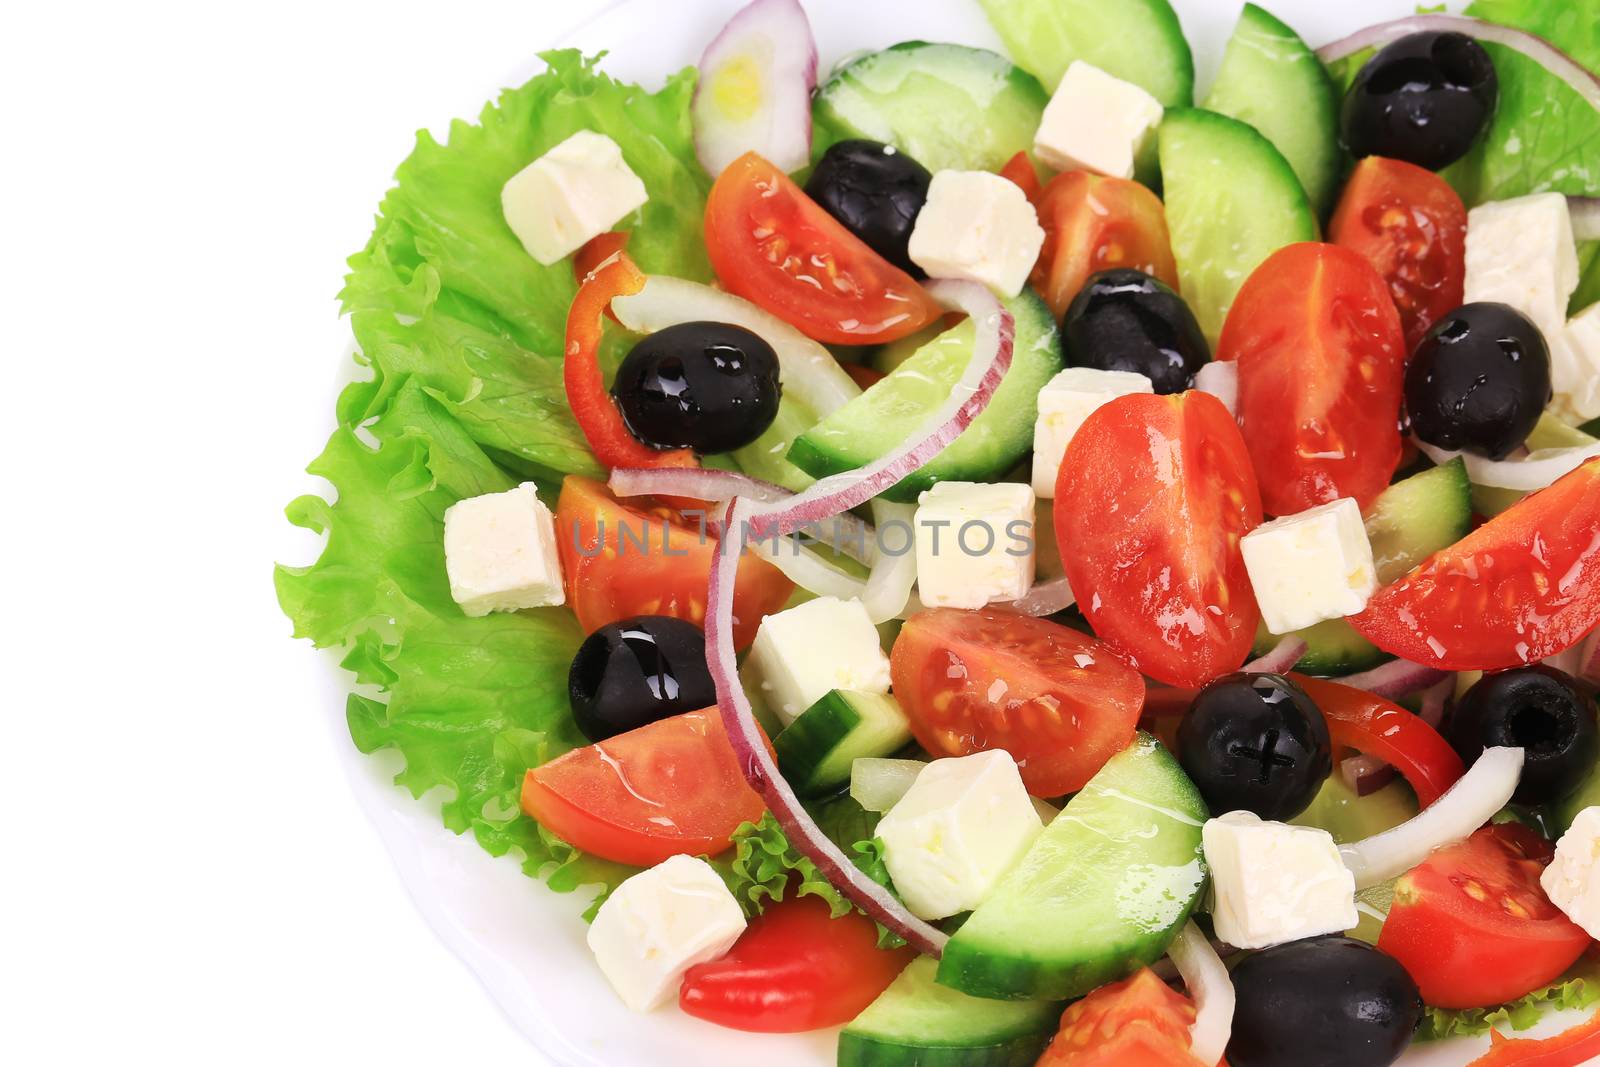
x=1094, y=223
x=1523, y=586
x=1410, y=225
x=1059, y=701
x=773, y=245
x=671, y=788
x=1137, y=1022
x=794, y=969
x=1321, y=364
x=1472, y=925
x=1153, y=498
x=1373, y=726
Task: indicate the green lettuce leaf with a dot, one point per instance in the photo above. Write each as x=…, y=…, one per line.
x=1578, y=988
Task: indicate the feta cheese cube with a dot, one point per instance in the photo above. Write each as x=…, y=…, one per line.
x=1310, y=567
x=960, y=827
x=1274, y=883
x=1097, y=122
x=578, y=190
x=827, y=643
x=1064, y=403
x=500, y=552
x=658, y=924
x=979, y=227
x=1575, y=368
x=975, y=543
x=1572, y=881
x=1521, y=252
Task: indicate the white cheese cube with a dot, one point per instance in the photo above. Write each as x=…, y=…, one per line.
x=1274, y=883
x=979, y=227
x=1097, y=122
x=1064, y=403
x=1572, y=881
x=500, y=552
x=960, y=827
x=658, y=924
x=1310, y=567
x=975, y=543
x=578, y=190
x=1575, y=368
x=1521, y=252
x=827, y=643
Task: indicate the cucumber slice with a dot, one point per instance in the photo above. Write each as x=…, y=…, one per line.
x=1102, y=891
x=883, y=417
x=1587, y=796
x=1273, y=81
x=816, y=751
x=1232, y=200
x=918, y=1023
x=886, y=358
x=1407, y=523
x=947, y=106
x=1140, y=41
x=877, y=784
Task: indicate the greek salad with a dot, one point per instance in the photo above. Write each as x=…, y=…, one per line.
x=1014, y=557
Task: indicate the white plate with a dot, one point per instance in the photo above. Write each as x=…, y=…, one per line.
x=524, y=942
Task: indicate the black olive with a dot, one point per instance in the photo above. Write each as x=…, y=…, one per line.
x=1539, y=710
x=1478, y=380
x=635, y=672
x=707, y=386
x=1126, y=320
x=876, y=191
x=1322, y=1002
x=1255, y=742
x=1422, y=99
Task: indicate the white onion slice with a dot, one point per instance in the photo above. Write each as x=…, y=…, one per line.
x=1534, y=471
x=877, y=784
x=808, y=371
x=1284, y=655
x=1397, y=678
x=700, y=483
x=1210, y=988
x=1220, y=378
x=1582, y=81
x=754, y=93
x=810, y=570
x=888, y=587
x=1046, y=598
x=1465, y=806
x=1585, y=211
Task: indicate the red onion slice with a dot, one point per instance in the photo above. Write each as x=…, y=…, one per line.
x=1397, y=678
x=761, y=770
x=1046, y=598
x=1210, y=988
x=754, y=93
x=1284, y=655
x=1583, y=81
x=1366, y=775
x=1589, y=658
x=1433, y=700
x=1536, y=470
x=1585, y=212
x=700, y=483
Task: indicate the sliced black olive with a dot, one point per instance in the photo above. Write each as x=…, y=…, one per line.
x=1540, y=710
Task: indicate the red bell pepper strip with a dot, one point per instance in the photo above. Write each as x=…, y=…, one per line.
x=1571, y=1048
x=1373, y=726
x=592, y=406
x=596, y=251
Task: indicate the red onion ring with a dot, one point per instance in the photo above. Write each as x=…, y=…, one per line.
x=1366, y=774
x=1397, y=678
x=1284, y=655
x=1046, y=598
x=1582, y=81
x=1433, y=700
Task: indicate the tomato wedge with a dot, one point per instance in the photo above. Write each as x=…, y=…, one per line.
x=1153, y=498
x=671, y=788
x=1575, y=1047
x=1094, y=223
x=620, y=559
x=1472, y=925
x=1137, y=1022
x=1321, y=365
x=1412, y=227
x=1373, y=726
x=773, y=245
x=1019, y=171
x=1523, y=586
x=1059, y=701
x=795, y=968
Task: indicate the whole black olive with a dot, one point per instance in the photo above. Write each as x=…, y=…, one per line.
x=1479, y=380
x=1539, y=710
x=635, y=672
x=876, y=191
x=1422, y=99
x=708, y=386
x=1322, y=1002
x=1126, y=320
x=1255, y=742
